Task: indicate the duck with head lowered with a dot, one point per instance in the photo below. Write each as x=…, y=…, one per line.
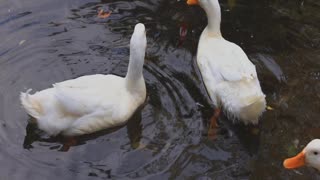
x=229, y=76
x=94, y=102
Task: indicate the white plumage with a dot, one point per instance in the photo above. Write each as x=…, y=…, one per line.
x=91, y=103
x=229, y=76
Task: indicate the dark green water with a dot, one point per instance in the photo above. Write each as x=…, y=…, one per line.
x=43, y=42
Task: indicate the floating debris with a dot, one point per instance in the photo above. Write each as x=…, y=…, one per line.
x=270, y=108
x=183, y=31
x=21, y=42
x=296, y=143
x=103, y=14
x=198, y=104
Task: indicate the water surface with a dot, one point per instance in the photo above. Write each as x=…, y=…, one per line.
x=49, y=41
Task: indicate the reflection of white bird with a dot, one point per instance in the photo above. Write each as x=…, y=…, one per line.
x=229, y=76
x=310, y=156
x=272, y=66
x=94, y=102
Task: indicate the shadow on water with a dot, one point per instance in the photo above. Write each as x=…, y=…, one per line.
x=51, y=41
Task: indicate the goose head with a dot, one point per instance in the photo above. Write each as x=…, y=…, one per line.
x=138, y=40
x=309, y=156
x=202, y=3
x=138, y=44
x=205, y=4
x=213, y=11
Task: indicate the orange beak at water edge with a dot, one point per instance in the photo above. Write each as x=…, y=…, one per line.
x=295, y=162
x=192, y=2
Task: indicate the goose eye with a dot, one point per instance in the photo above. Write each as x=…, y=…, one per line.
x=315, y=153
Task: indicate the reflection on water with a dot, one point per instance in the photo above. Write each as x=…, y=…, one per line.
x=48, y=41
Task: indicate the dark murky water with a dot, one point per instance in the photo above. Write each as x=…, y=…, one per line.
x=43, y=42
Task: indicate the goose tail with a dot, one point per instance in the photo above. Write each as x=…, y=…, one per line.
x=251, y=112
x=30, y=104
x=246, y=107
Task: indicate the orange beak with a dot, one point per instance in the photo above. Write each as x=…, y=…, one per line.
x=193, y=2
x=295, y=162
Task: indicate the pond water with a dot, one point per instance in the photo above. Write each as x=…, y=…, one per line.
x=43, y=42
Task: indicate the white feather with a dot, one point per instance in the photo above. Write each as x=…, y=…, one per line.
x=94, y=102
x=229, y=76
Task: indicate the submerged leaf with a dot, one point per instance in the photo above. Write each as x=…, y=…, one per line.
x=292, y=150
x=232, y=4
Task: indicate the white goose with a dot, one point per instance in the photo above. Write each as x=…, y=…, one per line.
x=91, y=103
x=229, y=76
x=309, y=156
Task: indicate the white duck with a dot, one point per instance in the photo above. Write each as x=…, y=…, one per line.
x=229, y=76
x=309, y=156
x=91, y=103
